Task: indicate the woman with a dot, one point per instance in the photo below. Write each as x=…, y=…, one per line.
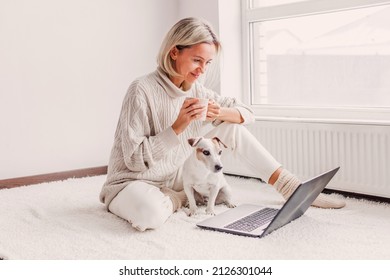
x=144, y=173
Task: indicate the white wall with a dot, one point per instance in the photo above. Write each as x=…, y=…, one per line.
x=206, y=9
x=64, y=69
x=231, y=59
x=66, y=65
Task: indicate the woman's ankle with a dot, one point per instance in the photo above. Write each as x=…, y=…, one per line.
x=274, y=177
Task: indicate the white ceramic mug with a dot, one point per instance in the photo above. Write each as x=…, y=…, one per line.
x=204, y=102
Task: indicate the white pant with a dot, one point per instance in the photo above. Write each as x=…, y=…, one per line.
x=146, y=207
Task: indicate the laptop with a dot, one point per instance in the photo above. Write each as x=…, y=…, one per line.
x=259, y=221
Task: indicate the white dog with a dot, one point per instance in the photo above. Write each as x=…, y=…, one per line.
x=202, y=173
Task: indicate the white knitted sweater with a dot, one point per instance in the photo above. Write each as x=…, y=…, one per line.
x=145, y=146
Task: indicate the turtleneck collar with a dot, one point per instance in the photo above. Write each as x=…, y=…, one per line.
x=171, y=89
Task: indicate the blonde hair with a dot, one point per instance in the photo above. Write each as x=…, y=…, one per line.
x=185, y=33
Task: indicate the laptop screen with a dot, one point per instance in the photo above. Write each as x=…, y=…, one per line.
x=300, y=200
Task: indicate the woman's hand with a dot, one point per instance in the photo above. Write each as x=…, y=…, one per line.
x=189, y=112
x=213, y=110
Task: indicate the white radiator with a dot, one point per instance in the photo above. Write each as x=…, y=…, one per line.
x=308, y=149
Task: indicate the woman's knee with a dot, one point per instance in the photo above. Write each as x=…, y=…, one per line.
x=230, y=134
x=143, y=205
x=231, y=126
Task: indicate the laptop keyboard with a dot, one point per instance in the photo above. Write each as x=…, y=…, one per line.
x=254, y=220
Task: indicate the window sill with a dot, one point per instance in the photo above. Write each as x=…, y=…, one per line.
x=358, y=116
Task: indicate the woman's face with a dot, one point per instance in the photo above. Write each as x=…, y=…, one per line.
x=191, y=62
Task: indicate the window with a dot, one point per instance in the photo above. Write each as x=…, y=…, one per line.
x=323, y=59
x=267, y=3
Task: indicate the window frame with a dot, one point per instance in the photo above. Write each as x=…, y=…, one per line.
x=351, y=115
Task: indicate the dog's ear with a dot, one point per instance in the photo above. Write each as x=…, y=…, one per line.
x=219, y=141
x=194, y=141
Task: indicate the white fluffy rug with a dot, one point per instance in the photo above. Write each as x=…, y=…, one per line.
x=65, y=220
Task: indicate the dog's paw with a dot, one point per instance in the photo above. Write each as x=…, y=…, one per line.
x=190, y=212
x=210, y=212
x=230, y=205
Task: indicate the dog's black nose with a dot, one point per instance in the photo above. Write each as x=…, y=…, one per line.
x=218, y=167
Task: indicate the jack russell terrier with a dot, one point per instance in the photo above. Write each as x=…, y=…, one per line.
x=202, y=173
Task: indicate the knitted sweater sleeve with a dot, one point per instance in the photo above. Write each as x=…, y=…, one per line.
x=141, y=150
